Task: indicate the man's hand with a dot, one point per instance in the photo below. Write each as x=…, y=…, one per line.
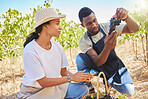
x=110, y=40
x=121, y=13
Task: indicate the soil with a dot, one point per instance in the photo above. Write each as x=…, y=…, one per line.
x=12, y=71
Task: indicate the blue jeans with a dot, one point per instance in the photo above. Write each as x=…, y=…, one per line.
x=127, y=89
x=76, y=91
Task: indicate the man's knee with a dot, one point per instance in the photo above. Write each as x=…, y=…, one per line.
x=129, y=90
x=78, y=59
x=79, y=63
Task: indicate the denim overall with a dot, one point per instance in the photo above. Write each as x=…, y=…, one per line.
x=114, y=69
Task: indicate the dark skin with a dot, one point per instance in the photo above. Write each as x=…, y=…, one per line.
x=91, y=24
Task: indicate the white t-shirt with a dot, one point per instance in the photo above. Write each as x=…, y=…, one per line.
x=85, y=43
x=39, y=62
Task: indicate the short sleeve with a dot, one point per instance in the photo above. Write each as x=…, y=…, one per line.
x=33, y=69
x=84, y=47
x=64, y=61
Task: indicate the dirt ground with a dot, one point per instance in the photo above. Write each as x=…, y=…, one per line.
x=12, y=72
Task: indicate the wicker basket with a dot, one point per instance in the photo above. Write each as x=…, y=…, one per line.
x=94, y=95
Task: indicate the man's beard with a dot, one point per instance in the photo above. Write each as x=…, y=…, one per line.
x=94, y=32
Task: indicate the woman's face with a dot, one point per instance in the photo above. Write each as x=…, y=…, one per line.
x=53, y=29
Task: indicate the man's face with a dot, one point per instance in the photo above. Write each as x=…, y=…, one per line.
x=91, y=24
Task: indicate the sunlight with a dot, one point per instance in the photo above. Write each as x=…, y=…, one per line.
x=141, y=4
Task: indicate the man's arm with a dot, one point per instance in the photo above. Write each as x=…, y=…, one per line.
x=131, y=26
x=110, y=43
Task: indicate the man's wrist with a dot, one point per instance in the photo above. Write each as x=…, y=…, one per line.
x=125, y=18
x=107, y=49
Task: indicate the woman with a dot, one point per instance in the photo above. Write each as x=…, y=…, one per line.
x=45, y=62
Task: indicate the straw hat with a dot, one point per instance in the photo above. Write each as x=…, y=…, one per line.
x=45, y=15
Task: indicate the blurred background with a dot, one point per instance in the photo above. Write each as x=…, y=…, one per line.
x=17, y=18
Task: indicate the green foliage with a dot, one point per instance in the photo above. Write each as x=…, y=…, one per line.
x=47, y=4
x=71, y=34
x=122, y=97
x=141, y=18
x=16, y=27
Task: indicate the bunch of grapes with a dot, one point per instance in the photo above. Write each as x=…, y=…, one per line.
x=113, y=23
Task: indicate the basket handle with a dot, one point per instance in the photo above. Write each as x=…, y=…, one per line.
x=106, y=87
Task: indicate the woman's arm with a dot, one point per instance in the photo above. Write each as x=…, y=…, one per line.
x=49, y=82
x=77, y=77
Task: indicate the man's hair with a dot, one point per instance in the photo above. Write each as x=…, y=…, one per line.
x=84, y=12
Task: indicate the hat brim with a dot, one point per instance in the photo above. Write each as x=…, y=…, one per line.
x=48, y=19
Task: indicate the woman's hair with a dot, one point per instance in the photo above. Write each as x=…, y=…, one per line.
x=84, y=12
x=35, y=35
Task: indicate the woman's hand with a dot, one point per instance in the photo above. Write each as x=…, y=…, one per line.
x=81, y=76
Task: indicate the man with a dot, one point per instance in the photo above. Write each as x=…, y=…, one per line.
x=99, y=47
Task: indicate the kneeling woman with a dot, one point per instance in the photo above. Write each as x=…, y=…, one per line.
x=45, y=62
